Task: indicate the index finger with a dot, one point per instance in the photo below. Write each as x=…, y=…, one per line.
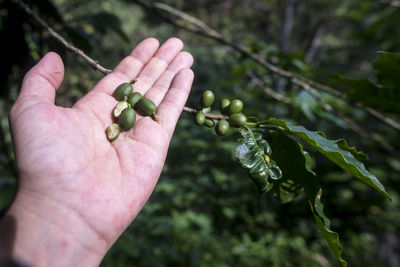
x=172, y=104
x=129, y=67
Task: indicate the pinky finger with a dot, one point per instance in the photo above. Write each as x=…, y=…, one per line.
x=172, y=104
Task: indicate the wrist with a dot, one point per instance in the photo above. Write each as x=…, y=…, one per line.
x=41, y=232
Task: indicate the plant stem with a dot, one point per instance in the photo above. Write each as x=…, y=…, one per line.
x=207, y=115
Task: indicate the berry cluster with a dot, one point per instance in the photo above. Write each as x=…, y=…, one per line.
x=124, y=112
x=232, y=110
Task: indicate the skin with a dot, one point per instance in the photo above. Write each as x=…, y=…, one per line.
x=77, y=191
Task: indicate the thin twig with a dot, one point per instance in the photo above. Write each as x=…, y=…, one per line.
x=210, y=33
x=315, y=43
x=275, y=95
x=349, y=121
x=354, y=126
x=207, y=115
x=94, y=63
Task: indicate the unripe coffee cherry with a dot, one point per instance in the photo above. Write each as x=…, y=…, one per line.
x=127, y=118
x=209, y=123
x=200, y=118
x=119, y=108
x=112, y=132
x=224, y=106
x=222, y=127
x=207, y=99
x=237, y=120
x=122, y=91
x=133, y=98
x=236, y=106
x=146, y=107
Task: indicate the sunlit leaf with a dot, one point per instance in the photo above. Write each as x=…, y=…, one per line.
x=332, y=151
x=331, y=237
x=359, y=155
x=251, y=158
x=295, y=163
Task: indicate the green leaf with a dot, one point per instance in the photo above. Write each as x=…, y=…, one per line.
x=359, y=155
x=251, y=158
x=387, y=69
x=295, y=164
x=296, y=168
x=331, y=237
x=332, y=151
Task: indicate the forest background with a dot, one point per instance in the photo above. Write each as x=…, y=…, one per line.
x=205, y=211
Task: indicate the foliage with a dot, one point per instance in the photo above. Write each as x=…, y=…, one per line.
x=204, y=211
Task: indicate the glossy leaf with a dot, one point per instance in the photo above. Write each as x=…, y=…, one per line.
x=323, y=223
x=332, y=151
x=359, y=155
x=251, y=158
x=331, y=237
x=296, y=163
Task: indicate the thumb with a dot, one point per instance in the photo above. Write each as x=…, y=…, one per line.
x=42, y=81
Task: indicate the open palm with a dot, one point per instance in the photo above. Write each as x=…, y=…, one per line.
x=63, y=155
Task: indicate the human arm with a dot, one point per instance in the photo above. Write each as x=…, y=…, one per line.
x=77, y=191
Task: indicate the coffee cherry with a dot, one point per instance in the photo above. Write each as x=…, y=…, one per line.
x=146, y=107
x=209, y=123
x=236, y=106
x=222, y=127
x=122, y=91
x=237, y=120
x=112, y=132
x=224, y=106
x=133, y=98
x=200, y=118
x=119, y=108
x=207, y=99
x=127, y=118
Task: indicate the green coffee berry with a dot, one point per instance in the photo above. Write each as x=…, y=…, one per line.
x=147, y=107
x=112, y=132
x=222, y=127
x=206, y=110
x=127, y=118
x=122, y=91
x=236, y=106
x=207, y=99
x=209, y=123
x=133, y=98
x=237, y=120
x=119, y=108
x=200, y=118
x=224, y=106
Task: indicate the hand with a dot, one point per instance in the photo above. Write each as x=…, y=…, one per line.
x=77, y=191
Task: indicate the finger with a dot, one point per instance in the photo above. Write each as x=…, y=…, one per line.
x=129, y=67
x=42, y=81
x=100, y=97
x=171, y=106
x=158, y=64
x=157, y=92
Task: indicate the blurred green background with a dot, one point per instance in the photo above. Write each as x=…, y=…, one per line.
x=205, y=211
